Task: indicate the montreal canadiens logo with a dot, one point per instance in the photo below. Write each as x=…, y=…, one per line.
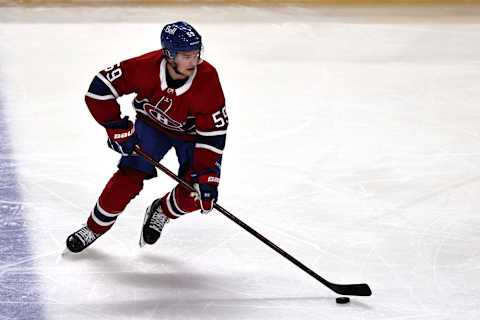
x=158, y=115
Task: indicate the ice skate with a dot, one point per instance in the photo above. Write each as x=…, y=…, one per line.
x=153, y=224
x=80, y=239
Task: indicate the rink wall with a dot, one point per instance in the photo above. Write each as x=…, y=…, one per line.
x=244, y=2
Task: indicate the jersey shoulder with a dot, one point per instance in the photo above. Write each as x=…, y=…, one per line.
x=207, y=83
x=142, y=71
x=206, y=71
x=207, y=78
x=146, y=59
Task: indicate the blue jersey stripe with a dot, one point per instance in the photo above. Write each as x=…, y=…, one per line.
x=218, y=142
x=98, y=87
x=100, y=216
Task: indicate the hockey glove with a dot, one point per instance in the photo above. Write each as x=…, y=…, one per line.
x=207, y=193
x=121, y=136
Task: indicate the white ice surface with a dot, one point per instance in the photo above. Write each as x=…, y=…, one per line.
x=354, y=144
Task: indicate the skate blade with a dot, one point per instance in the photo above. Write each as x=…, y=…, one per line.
x=141, y=242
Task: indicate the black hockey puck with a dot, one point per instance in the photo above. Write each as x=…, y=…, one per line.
x=342, y=300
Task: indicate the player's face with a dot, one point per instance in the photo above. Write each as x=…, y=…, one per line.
x=187, y=61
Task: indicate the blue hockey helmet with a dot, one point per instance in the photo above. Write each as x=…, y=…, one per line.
x=179, y=36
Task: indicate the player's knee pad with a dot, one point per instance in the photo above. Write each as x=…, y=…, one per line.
x=124, y=185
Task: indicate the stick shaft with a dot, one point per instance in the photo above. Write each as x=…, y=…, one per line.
x=346, y=289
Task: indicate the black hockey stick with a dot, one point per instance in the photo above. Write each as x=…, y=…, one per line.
x=344, y=289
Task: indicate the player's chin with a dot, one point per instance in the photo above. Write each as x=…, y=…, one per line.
x=188, y=72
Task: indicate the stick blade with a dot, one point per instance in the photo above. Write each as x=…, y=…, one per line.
x=361, y=289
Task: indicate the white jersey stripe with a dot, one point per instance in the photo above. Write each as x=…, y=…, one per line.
x=100, y=222
x=208, y=147
x=105, y=213
x=97, y=97
x=169, y=207
x=212, y=133
x=108, y=84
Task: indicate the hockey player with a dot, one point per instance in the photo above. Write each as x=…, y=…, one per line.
x=179, y=104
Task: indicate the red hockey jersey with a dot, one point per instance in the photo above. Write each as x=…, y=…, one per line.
x=195, y=111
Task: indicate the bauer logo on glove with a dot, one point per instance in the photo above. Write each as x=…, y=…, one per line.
x=121, y=136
